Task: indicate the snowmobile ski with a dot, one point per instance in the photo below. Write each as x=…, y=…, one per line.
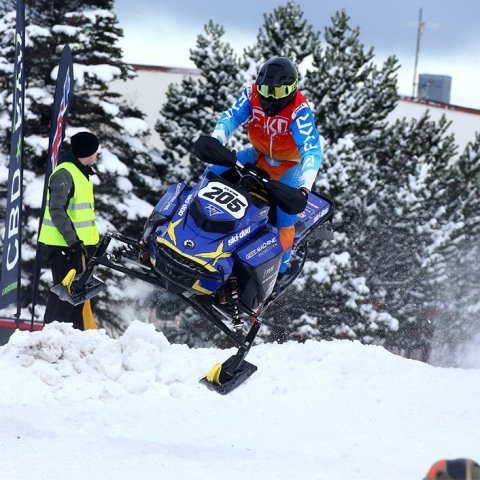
x=220, y=380
x=73, y=290
x=227, y=376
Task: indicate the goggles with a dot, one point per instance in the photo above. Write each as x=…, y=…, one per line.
x=276, y=92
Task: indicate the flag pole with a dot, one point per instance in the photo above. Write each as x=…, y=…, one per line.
x=421, y=27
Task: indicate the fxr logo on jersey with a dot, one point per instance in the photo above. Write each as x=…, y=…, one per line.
x=241, y=101
x=306, y=128
x=272, y=125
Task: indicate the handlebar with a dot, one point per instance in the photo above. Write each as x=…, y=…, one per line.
x=292, y=200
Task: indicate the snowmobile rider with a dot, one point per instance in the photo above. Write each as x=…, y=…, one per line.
x=282, y=131
x=69, y=230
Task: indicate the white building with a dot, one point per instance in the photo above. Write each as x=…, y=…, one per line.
x=148, y=92
x=465, y=121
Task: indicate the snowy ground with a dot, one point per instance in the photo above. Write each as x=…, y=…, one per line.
x=79, y=405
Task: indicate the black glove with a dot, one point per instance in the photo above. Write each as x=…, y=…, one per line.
x=78, y=248
x=305, y=191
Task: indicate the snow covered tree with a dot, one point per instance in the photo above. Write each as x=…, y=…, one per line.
x=404, y=264
x=458, y=307
x=332, y=298
x=285, y=32
x=192, y=108
x=376, y=281
x=7, y=53
x=350, y=93
x=127, y=170
x=344, y=86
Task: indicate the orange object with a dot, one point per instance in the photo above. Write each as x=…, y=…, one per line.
x=287, y=235
x=272, y=135
x=277, y=172
x=440, y=466
x=89, y=322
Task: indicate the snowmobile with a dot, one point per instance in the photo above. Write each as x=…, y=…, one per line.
x=213, y=244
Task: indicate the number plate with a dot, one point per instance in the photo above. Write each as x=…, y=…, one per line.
x=226, y=198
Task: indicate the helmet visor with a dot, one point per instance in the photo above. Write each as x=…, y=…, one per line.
x=276, y=92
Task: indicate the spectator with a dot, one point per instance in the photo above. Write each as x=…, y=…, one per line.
x=69, y=230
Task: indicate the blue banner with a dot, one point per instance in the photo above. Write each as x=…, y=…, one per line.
x=11, y=256
x=63, y=96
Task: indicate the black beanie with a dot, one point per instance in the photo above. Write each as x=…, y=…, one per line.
x=84, y=144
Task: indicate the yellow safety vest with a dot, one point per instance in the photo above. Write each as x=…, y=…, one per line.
x=80, y=211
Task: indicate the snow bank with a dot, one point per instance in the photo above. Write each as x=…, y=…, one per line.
x=83, y=405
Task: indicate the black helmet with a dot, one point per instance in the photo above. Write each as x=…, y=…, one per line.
x=276, y=84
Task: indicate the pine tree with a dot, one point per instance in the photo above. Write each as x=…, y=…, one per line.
x=350, y=93
x=458, y=306
x=344, y=86
x=413, y=171
x=192, y=108
x=7, y=53
x=332, y=298
x=286, y=33
x=127, y=170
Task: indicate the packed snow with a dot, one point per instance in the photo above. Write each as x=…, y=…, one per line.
x=81, y=405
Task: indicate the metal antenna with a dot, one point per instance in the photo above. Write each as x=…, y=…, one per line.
x=421, y=27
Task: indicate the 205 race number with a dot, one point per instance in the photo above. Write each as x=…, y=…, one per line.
x=226, y=198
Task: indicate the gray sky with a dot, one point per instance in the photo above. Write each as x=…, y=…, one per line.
x=160, y=32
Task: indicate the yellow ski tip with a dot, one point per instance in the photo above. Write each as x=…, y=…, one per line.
x=214, y=374
x=67, y=281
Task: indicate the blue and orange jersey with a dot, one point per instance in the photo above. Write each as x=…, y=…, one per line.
x=286, y=139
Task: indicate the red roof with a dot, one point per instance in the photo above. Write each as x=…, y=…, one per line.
x=444, y=106
x=156, y=68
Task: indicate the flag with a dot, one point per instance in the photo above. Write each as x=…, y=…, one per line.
x=63, y=96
